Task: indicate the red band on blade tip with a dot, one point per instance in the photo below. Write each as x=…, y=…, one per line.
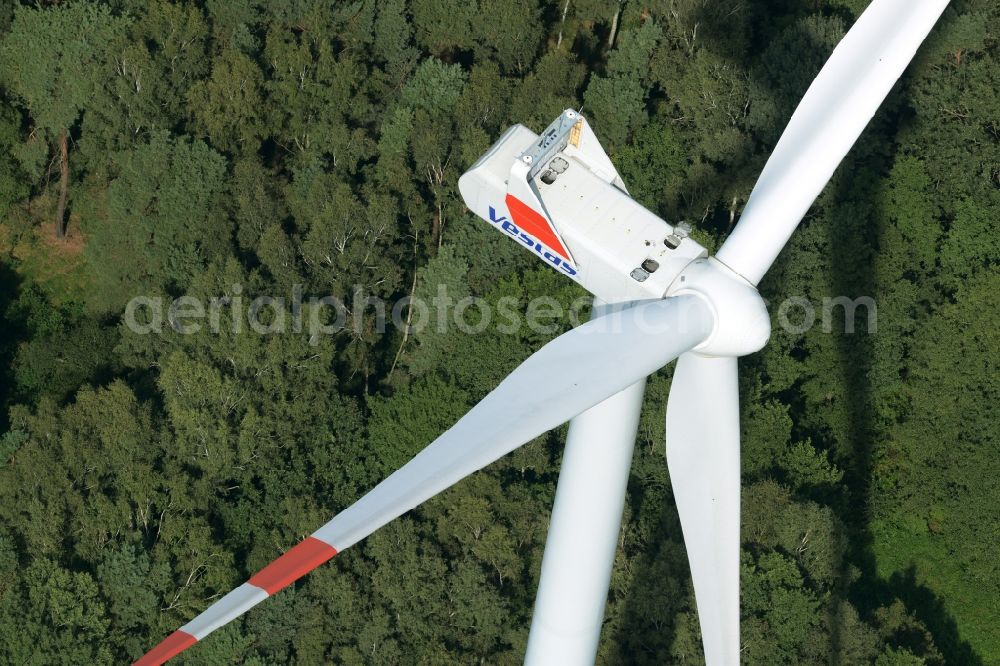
x=299, y=560
x=168, y=648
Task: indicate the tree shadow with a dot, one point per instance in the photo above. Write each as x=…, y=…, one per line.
x=12, y=332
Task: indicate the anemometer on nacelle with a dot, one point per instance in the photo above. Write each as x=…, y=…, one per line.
x=560, y=196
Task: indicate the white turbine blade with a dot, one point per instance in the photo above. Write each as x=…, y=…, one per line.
x=583, y=532
x=703, y=455
x=565, y=377
x=584, y=527
x=836, y=108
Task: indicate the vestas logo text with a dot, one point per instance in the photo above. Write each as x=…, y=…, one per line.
x=529, y=241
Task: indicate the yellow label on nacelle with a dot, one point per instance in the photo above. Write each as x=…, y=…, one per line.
x=574, y=134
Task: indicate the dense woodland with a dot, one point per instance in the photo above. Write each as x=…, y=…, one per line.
x=185, y=147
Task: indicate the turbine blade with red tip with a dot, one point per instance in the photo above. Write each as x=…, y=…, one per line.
x=572, y=373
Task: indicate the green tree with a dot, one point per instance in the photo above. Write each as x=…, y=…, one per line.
x=56, y=83
x=159, y=221
x=226, y=107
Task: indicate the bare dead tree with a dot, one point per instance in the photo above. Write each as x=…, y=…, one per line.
x=614, y=25
x=63, y=183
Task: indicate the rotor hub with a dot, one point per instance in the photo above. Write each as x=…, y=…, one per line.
x=742, y=323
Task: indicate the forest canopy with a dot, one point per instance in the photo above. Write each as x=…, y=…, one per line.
x=242, y=148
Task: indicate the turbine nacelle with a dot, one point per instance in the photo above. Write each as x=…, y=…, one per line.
x=559, y=195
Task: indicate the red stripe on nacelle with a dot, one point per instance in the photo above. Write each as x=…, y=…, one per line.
x=535, y=224
x=168, y=648
x=299, y=560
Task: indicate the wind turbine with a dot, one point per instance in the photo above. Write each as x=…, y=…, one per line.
x=658, y=297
